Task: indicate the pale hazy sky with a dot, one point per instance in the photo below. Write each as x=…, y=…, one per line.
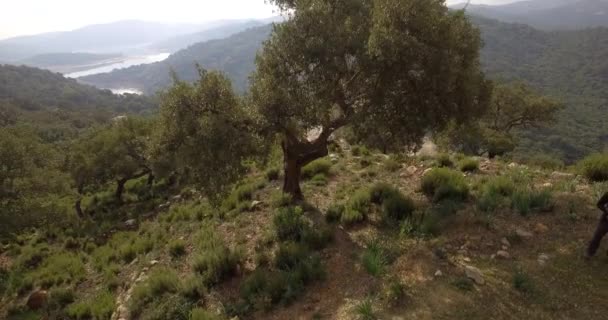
x=23, y=17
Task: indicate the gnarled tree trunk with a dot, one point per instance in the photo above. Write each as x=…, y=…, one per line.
x=295, y=156
x=120, y=184
x=78, y=204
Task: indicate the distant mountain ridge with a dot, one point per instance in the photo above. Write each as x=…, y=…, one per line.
x=234, y=56
x=547, y=14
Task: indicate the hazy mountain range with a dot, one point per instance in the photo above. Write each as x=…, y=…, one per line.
x=547, y=14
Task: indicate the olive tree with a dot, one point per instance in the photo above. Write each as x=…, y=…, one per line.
x=206, y=133
x=406, y=67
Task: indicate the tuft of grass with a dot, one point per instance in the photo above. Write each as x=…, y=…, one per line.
x=289, y=223
x=273, y=174
x=61, y=297
x=468, y=165
x=280, y=199
x=525, y=201
x=523, y=283
x=62, y=268
x=444, y=161
x=359, y=151
x=500, y=185
x=396, y=291
x=595, y=167
x=290, y=255
x=464, y=284
x=391, y=165
x=365, y=311
x=334, y=213
x=192, y=287
x=319, y=166
x=356, y=208
x=374, y=259
x=100, y=307
x=160, y=281
x=397, y=207
x=215, y=262
x=319, y=180
x=441, y=183
x=177, y=248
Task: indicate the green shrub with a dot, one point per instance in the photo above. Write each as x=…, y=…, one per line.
x=397, y=207
x=391, y=165
x=273, y=174
x=62, y=268
x=99, y=307
x=289, y=223
x=177, y=248
x=489, y=201
x=444, y=161
x=319, y=180
x=365, y=162
x=317, y=238
x=365, y=311
x=334, y=213
x=161, y=281
x=245, y=192
x=468, y=165
x=522, y=282
x=280, y=199
x=61, y=297
x=216, y=264
x=547, y=162
x=172, y=306
x=595, y=167
x=290, y=255
x=374, y=259
x=319, y=166
x=192, y=287
x=524, y=201
x=202, y=314
x=381, y=191
x=359, y=151
x=442, y=183
x=356, y=208
x=500, y=185
x=396, y=291
x=464, y=284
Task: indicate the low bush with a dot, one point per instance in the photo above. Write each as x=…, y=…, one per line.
x=174, y=307
x=374, y=259
x=391, y=165
x=61, y=297
x=62, y=268
x=523, y=283
x=319, y=180
x=359, y=151
x=397, y=207
x=356, y=208
x=216, y=262
x=334, y=213
x=177, y=248
x=161, y=281
x=365, y=311
x=289, y=223
x=319, y=166
x=192, y=287
x=464, y=284
x=381, y=191
x=273, y=174
x=290, y=255
x=525, y=201
x=317, y=238
x=442, y=183
x=100, y=307
x=500, y=185
x=468, y=165
x=444, y=161
x=280, y=199
x=545, y=161
x=595, y=167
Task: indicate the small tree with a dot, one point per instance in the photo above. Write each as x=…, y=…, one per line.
x=401, y=66
x=512, y=107
x=206, y=133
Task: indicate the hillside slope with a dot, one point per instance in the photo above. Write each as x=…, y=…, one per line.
x=452, y=260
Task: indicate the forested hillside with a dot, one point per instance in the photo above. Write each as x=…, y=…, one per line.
x=56, y=106
x=234, y=56
x=569, y=65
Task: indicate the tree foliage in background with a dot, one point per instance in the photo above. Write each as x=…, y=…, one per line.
x=406, y=67
x=512, y=107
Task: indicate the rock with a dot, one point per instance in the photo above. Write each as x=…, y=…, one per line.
x=412, y=170
x=503, y=255
x=438, y=274
x=131, y=223
x=540, y=228
x=561, y=175
x=164, y=206
x=37, y=300
x=153, y=262
x=505, y=248
x=524, y=234
x=512, y=165
x=543, y=259
x=474, y=274
x=505, y=242
x=547, y=185
x=176, y=198
x=427, y=171
x=255, y=204
x=334, y=158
